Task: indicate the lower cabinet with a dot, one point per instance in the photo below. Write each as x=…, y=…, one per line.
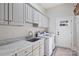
x=25, y=51
x=35, y=45
x=36, y=52
x=41, y=49
x=37, y=49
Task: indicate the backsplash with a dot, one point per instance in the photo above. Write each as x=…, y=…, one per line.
x=17, y=31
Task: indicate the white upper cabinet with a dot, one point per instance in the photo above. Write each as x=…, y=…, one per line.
x=40, y=20
x=35, y=16
x=16, y=14
x=3, y=13
x=10, y=12
x=20, y=13
x=47, y=22
x=43, y=21
x=25, y=13
x=29, y=13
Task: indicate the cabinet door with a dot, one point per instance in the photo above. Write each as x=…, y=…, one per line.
x=25, y=51
x=10, y=12
x=41, y=47
x=45, y=22
x=16, y=14
x=29, y=14
x=40, y=20
x=35, y=16
x=30, y=54
x=35, y=45
x=36, y=52
x=3, y=13
x=6, y=11
x=26, y=13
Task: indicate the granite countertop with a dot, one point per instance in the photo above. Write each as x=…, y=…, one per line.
x=12, y=47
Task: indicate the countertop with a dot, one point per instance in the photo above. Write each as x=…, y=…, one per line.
x=12, y=47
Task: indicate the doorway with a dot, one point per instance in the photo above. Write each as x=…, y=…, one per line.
x=64, y=32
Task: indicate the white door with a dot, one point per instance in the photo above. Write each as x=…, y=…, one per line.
x=64, y=32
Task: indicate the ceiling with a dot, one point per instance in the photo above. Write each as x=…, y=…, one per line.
x=49, y=5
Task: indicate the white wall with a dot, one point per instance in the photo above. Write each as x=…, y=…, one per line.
x=15, y=31
x=77, y=26
x=63, y=10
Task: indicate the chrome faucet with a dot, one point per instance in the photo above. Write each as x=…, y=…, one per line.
x=30, y=34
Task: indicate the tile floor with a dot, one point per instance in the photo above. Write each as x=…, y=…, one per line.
x=64, y=52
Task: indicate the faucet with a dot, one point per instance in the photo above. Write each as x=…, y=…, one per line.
x=30, y=34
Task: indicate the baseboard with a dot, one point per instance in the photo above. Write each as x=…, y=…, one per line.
x=75, y=49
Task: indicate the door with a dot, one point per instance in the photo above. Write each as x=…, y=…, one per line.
x=16, y=14
x=26, y=13
x=35, y=16
x=40, y=20
x=3, y=13
x=36, y=52
x=29, y=14
x=64, y=32
x=45, y=22
x=41, y=47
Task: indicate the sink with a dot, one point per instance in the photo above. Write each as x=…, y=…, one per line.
x=33, y=39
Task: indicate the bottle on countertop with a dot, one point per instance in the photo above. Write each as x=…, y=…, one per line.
x=37, y=34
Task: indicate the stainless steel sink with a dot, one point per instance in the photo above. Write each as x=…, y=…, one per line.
x=33, y=39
